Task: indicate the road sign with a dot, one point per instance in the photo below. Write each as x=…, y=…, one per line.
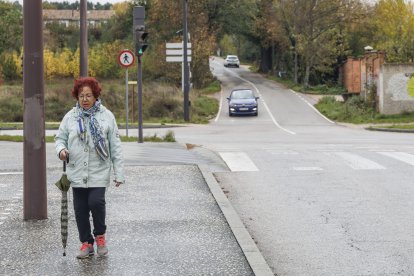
x=174, y=52
x=177, y=52
x=178, y=45
x=126, y=58
x=177, y=59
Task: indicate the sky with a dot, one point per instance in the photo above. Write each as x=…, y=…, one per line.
x=72, y=1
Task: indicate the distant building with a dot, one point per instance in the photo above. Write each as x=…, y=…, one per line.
x=71, y=17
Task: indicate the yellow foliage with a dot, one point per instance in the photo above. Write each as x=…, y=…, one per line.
x=49, y=64
x=120, y=8
x=75, y=63
x=63, y=60
x=394, y=21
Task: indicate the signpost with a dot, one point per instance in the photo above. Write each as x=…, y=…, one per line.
x=175, y=52
x=126, y=59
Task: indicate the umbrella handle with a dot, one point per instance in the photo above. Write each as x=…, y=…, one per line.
x=64, y=164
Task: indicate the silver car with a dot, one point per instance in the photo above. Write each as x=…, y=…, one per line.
x=232, y=60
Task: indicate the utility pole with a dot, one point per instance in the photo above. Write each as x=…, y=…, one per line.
x=185, y=61
x=83, y=39
x=34, y=150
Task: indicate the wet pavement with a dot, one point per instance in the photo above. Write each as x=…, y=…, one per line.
x=170, y=218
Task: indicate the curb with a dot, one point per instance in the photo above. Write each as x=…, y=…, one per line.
x=246, y=243
x=390, y=129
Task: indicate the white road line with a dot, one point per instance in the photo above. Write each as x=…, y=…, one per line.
x=220, y=106
x=314, y=108
x=264, y=103
x=307, y=169
x=238, y=162
x=359, y=163
x=10, y=173
x=402, y=156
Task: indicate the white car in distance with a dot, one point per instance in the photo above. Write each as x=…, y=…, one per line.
x=232, y=60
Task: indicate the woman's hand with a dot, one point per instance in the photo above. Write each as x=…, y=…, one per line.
x=64, y=154
x=118, y=183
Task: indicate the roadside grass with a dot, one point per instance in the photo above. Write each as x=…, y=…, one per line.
x=355, y=110
x=168, y=137
x=407, y=127
x=162, y=102
x=321, y=89
x=404, y=127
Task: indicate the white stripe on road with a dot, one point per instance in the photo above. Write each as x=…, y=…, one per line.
x=307, y=169
x=220, y=106
x=10, y=173
x=359, y=163
x=311, y=106
x=402, y=156
x=238, y=162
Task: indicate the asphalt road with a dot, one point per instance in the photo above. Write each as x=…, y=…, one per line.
x=317, y=197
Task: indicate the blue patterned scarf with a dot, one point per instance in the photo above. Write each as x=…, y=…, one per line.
x=95, y=128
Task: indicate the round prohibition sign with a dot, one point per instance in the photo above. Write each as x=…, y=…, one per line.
x=126, y=58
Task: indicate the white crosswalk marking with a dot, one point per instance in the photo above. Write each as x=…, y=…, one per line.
x=402, y=156
x=307, y=169
x=238, y=161
x=358, y=162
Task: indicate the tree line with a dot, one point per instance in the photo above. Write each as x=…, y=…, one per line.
x=306, y=41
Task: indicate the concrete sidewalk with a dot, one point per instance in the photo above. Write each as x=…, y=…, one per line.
x=171, y=218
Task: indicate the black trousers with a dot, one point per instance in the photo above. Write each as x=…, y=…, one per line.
x=86, y=201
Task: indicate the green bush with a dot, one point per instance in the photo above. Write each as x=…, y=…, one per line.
x=162, y=102
x=160, y=107
x=8, y=68
x=11, y=109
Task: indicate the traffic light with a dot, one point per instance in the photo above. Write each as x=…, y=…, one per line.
x=140, y=36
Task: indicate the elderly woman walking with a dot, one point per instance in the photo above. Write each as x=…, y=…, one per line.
x=88, y=136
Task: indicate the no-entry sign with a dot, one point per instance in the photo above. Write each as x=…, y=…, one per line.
x=126, y=58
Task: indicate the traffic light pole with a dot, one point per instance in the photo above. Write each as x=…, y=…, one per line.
x=140, y=135
x=140, y=46
x=185, y=61
x=34, y=149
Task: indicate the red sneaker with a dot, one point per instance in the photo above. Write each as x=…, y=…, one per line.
x=86, y=250
x=101, y=245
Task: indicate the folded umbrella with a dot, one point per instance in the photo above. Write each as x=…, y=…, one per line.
x=64, y=184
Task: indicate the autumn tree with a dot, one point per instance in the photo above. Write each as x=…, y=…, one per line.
x=165, y=25
x=11, y=26
x=316, y=31
x=394, y=29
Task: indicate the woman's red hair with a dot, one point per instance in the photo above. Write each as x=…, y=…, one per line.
x=86, y=81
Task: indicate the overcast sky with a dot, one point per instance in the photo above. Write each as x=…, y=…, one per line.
x=73, y=1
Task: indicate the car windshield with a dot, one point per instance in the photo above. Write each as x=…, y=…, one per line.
x=242, y=94
x=231, y=58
